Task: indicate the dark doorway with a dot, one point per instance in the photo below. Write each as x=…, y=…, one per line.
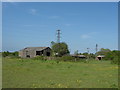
x=37, y=52
x=28, y=56
x=48, y=53
x=99, y=58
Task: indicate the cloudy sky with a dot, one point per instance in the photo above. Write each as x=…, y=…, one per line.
x=82, y=25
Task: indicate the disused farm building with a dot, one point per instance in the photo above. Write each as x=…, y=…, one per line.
x=31, y=52
x=79, y=56
x=100, y=57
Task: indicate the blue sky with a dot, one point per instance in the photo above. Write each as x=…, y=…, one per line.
x=82, y=25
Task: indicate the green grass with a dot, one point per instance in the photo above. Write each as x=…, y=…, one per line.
x=19, y=73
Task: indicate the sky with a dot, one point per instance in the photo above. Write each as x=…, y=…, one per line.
x=82, y=25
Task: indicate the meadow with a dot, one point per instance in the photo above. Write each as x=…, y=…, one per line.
x=28, y=73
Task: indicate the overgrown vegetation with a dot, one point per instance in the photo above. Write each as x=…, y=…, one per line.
x=66, y=58
x=39, y=58
x=9, y=54
x=24, y=73
x=64, y=71
x=60, y=49
x=114, y=55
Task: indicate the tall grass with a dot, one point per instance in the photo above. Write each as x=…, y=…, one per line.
x=30, y=73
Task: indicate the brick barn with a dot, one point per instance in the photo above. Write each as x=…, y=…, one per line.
x=30, y=52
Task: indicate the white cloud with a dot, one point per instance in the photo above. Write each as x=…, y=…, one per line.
x=85, y=36
x=88, y=35
x=54, y=17
x=33, y=11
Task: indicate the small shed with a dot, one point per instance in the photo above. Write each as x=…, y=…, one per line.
x=30, y=52
x=79, y=56
x=100, y=57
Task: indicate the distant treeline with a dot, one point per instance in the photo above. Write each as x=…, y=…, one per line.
x=113, y=55
x=10, y=54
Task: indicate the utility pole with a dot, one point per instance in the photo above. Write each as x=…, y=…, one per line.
x=96, y=50
x=88, y=52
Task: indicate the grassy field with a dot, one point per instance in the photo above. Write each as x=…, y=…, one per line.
x=18, y=73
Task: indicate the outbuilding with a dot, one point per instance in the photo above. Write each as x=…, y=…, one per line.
x=30, y=52
x=79, y=56
x=100, y=57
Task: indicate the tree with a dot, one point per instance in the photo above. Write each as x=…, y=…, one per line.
x=52, y=43
x=4, y=54
x=10, y=54
x=76, y=52
x=103, y=51
x=60, y=49
x=85, y=53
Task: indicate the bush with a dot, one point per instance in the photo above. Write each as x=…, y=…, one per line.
x=115, y=61
x=67, y=58
x=116, y=57
x=10, y=54
x=39, y=58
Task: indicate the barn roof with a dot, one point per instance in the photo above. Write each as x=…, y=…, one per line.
x=78, y=55
x=100, y=56
x=35, y=48
x=81, y=56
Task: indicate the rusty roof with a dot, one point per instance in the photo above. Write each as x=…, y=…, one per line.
x=35, y=48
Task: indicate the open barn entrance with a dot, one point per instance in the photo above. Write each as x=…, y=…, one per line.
x=99, y=58
x=39, y=53
x=28, y=56
x=47, y=53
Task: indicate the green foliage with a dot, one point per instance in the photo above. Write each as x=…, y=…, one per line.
x=115, y=57
x=52, y=43
x=103, y=51
x=4, y=54
x=60, y=49
x=76, y=52
x=86, y=54
x=91, y=55
x=10, y=54
x=115, y=61
x=39, y=58
x=110, y=55
x=67, y=58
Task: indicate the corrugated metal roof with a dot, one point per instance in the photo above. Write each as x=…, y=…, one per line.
x=100, y=56
x=78, y=55
x=35, y=48
x=81, y=55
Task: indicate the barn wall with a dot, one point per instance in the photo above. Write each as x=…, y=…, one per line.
x=22, y=54
x=46, y=50
x=32, y=52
